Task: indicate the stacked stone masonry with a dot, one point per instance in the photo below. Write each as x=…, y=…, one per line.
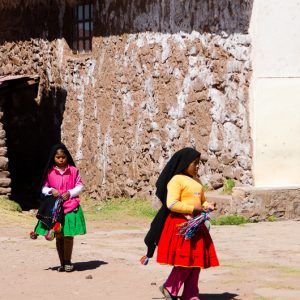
x=161, y=76
x=4, y=174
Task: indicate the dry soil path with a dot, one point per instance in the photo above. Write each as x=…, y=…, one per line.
x=258, y=261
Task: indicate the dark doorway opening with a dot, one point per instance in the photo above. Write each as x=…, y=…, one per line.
x=31, y=129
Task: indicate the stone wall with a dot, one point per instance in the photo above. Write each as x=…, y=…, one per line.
x=4, y=174
x=265, y=203
x=159, y=78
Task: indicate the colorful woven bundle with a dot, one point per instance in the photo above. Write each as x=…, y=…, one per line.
x=189, y=228
x=50, y=235
x=57, y=209
x=57, y=227
x=51, y=216
x=33, y=235
x=144, y=260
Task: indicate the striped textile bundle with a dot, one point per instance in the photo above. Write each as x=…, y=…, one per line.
x=56, y=212
x=189, y=228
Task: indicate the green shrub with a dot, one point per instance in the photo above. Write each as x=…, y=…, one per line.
x=206, y=187
x=228, y=185
x=271, y=218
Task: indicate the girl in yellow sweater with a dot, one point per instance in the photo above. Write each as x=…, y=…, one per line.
x=182, y=197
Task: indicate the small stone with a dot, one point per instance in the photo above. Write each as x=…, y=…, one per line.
x=89, y=277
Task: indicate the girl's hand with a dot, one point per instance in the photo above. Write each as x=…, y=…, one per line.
x=212, y=205
x=198, y=209
x=55, y=193
x=65, y=196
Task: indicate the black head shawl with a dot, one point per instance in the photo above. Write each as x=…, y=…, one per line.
x=178, y=162
x=51, y=162
x=176, y=165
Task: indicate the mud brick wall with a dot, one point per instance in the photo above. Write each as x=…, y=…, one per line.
x=161, y=76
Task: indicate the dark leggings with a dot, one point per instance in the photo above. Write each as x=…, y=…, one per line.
x=64, y=247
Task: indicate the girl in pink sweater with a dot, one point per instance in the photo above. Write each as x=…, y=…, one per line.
x=61, y=179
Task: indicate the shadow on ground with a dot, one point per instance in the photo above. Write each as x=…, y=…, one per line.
x=89, y=265
x=224, y=296
x=84, y=266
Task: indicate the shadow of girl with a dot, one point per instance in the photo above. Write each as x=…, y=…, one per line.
x=223, y=296
x=89, y=265
x=85, y=265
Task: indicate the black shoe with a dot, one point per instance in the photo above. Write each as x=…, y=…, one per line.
x=69, y=267
x=61, y=269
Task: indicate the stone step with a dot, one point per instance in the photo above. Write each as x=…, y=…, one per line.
x=223, y=203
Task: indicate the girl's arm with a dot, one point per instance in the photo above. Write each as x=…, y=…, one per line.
x=207, y=205
x=78, y=188
x=180, y=207
x=47, y=191
x=173, y=196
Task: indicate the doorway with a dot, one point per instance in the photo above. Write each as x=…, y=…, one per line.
x=31, y=129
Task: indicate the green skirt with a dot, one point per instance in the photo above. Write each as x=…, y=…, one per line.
x=73, y=224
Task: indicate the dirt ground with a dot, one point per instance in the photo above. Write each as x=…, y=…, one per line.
x=258, y=261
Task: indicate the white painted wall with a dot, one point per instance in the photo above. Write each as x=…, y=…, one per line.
x=275, y=92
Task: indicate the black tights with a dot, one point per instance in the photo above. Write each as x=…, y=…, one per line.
x=64, y=247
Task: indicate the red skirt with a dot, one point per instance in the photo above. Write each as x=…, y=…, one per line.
x=173, y=249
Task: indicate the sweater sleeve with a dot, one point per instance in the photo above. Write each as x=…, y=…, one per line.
x=78, y=188
x=203, y=200
x=174, y=202
x=47, y=191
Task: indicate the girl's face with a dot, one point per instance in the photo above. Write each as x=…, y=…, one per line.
x=60, y=158
x=193, y=168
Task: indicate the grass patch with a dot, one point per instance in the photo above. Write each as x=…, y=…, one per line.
x=230, y=220
x=288, y=270
x=11, y=214
x=261, y=265
x=10, y=205
x=117, y=209
x=279, y=286
x=206, y=187
x=228, y=185
x=271, y=219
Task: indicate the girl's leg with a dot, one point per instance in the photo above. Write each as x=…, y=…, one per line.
x=191, y=291
x=176, y=279
x=60, y=248
x=68, y=248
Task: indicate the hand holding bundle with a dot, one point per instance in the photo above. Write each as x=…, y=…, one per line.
x=189, y=228
x=50, y=214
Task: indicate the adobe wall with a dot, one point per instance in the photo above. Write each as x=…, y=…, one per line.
x=161, y=76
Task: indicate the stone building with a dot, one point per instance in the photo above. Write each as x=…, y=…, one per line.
x=124, y=84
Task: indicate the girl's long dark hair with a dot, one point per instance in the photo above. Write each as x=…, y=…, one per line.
x=50, y=163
